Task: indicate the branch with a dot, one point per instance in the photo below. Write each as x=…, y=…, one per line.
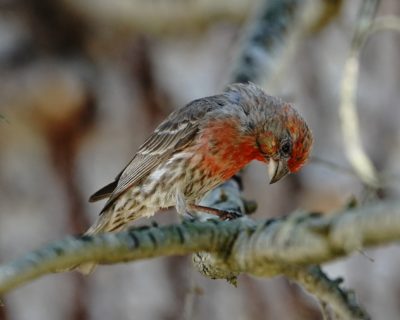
x=341, y=301
x=264, y=40
x=161, y=17
x=277, y=30
x=361, y=165
x=347, y=109
x=348, y=114
x=270, y=248
x=391, y=23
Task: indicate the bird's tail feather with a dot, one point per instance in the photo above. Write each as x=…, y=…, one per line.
x=102, y=225
x=87, y=268
x=108, y=221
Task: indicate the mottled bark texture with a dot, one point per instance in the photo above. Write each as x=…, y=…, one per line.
x=289, y=246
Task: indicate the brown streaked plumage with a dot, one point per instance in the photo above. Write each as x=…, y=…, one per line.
x=201, y=145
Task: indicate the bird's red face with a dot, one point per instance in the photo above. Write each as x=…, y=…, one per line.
x=286, y=144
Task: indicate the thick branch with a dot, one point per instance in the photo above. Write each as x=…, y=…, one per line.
x=263, y=249
x=138, y=243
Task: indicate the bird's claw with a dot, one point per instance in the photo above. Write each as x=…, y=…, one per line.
x=227, y=215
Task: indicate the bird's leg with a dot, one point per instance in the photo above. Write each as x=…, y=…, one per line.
x=185, y=208
x=222, y=214
x=181, y=205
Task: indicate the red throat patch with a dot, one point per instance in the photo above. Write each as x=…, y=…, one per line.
x=226, y=150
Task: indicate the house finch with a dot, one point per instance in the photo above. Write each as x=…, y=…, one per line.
x=200, y=146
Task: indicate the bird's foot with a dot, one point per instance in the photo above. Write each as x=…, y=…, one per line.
x=229, y=215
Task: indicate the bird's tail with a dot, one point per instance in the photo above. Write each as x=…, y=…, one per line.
x=104, y=224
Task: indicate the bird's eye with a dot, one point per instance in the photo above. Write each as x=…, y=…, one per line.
x=286, y=148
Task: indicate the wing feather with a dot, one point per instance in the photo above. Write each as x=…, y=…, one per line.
x=172, y=135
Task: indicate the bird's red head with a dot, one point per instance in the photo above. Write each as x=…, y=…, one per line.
x=285, y=142
x=283, y=139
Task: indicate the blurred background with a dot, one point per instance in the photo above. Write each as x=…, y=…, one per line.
x=84, y=82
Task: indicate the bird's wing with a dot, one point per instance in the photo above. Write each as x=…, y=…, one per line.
x=172, y=135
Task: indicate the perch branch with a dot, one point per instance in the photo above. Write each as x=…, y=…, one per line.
x=283, y=246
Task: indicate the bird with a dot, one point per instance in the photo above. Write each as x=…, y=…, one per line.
x=198, y=147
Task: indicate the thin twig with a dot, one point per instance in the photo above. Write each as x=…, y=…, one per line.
x=347, y=110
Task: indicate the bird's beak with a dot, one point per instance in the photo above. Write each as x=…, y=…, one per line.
x=277, y=170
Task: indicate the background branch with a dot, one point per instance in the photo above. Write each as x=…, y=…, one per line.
x=161, y=17
x=334, y=300
x=385, y=23
x=347, y=110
